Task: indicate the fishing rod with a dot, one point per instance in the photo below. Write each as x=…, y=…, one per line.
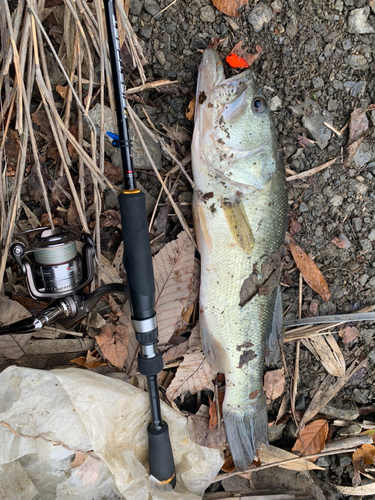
x=138, y=266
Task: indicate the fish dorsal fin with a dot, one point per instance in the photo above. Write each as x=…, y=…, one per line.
x=200, y=224
x=239, y=224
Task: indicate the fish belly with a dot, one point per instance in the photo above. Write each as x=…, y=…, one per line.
x=234, y=337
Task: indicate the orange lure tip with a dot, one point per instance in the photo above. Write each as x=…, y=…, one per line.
x=236, y=61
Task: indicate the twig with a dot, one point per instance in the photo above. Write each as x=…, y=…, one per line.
x=150, y=85
x=332, y=128
x=220, y=477
x=312, y=171
x=165, y=8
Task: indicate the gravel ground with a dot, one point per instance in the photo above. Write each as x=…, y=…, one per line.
x=316, y=66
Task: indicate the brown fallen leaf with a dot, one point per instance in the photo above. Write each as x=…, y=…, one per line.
x=13, y=346
x=349, y=333
x=312, y=438
x=190, y=110
x=112, y=219
x=294, y=226
x=339, y=242
x=274, y=383
x=176, y=351
x=243, y=52
x=91, y=360
x=72, y=216
x=358, y=128
x=194, y=373
x=62, y=91
x=198, y=426
x=310, y=272
x=228, y=465
x=363, y=456
x=230, y=8
x=113, y=342
x=212, y=413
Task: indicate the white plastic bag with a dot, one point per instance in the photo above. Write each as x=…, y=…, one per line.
x=73, y=410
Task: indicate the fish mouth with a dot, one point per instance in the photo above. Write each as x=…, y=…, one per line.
x=211, y=71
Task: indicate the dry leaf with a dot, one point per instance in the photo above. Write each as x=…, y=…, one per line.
x=174, y=268
x=274, y=383
x=269, y=454
x=198, y=426
x=62, y=91
x=190, y=110
x=349, y=333
x=194, y=373
x=113, y=342
x=242, y=52
x=72, y=216
x=339, y=242
x=112, y=219
x=305, y=141
x=312, y=438
x=176, y=351
x=13, y=346
x=212, y=413
x=230, y=8
x=228, y=465
x=314, y=308
x=363, y=456
x=327, y=351
x=310, y=271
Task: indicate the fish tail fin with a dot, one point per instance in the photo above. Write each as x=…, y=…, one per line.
x=245, y=433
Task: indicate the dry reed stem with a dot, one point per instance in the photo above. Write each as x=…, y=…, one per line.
x=312, y=171
x=181, y=218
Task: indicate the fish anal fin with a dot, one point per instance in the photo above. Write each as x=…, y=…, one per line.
x=239, y=224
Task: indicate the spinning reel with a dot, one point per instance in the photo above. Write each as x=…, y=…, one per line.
x=54, y=269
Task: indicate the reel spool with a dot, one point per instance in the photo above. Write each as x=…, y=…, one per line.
x=53, y=267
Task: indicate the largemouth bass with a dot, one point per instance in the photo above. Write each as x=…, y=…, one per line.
x=239, y=209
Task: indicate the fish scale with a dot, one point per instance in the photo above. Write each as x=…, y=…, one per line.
x=239, y=209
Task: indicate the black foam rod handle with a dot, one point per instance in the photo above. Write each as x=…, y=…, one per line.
x=160, y=455
x=137, y=253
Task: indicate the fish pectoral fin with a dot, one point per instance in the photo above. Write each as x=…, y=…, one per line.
x=200, y=224
x=214, y=351
x=238, y=224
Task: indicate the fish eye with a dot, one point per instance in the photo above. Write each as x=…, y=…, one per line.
x=259, y=105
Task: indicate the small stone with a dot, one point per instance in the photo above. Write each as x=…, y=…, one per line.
x=151, y=7
x=336, y=200
x=371, y=236
x=361, y=188
x=177, y=105
x=372, y=5
x=346, y=44
x=357, y=224
x=358, y=22
x=292, y=27
x=358, y=62
x=339, y=5
x=363, y=155
x=317, y=82
x=371, y=283
x=160, y=56
x=146, y=32
x=135, y=7
x=207, y=14
x=314, y=124
x=345, y=461
x=277, y=6
x=346, y=240
x=170, y=28
x=367, y=335
x=311, y=46
x=323, y=462
x=303, y=207
x=340, y=413
x=275, y=432
x=332, y=105
x=363, y=279
x=366, y=245
x=371, y=355
x=360, y=396
x=296, y=110
x=353, y=265
x=275, y=103
x=260, y=16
